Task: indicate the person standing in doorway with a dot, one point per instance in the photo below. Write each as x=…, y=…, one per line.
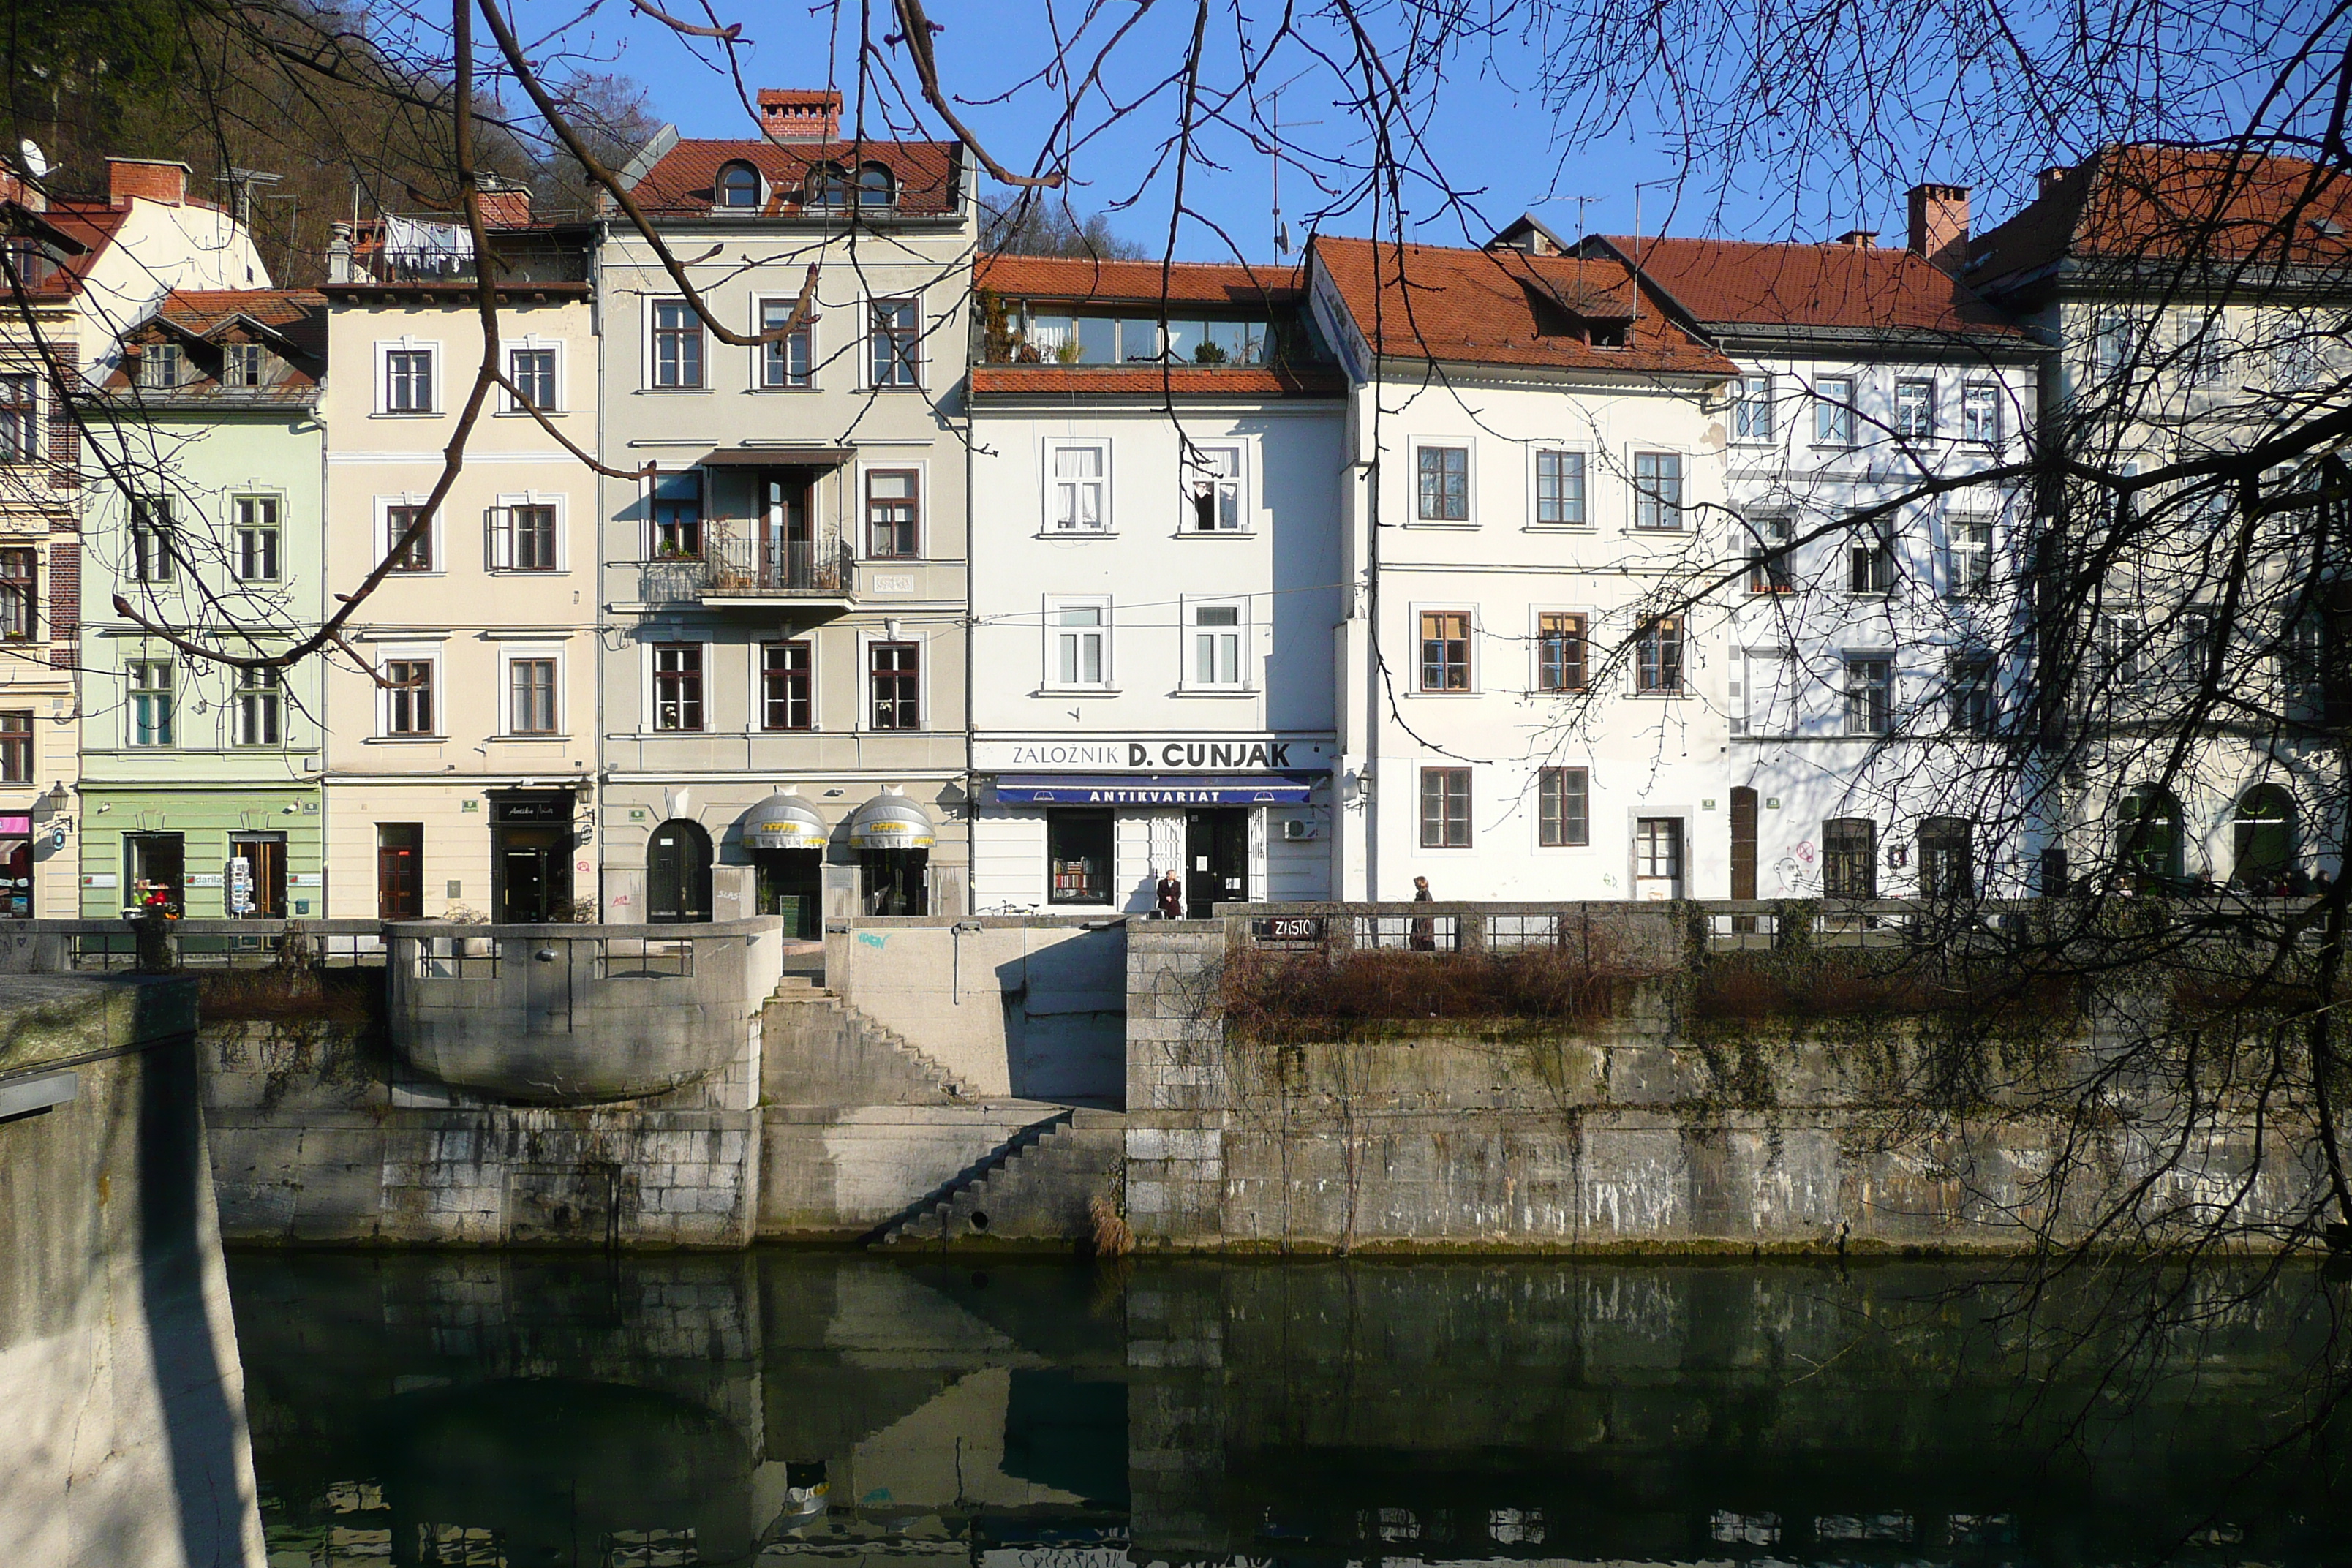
x=1424, y=931
x=1172, y=897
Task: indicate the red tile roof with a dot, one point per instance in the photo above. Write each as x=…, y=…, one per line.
x=1730, y=282
x=298, y=317
x=2138, y=202
x=682, y=179
x=1152, y=381
x=200, y=310
x=1504, y=306
x=90, y=225
x=1082, y=279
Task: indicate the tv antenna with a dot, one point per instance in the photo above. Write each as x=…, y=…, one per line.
x=1281, y=229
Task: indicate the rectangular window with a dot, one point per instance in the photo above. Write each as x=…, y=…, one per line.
x=1078, y=495
x=1658, y=655
x=257, y=539
x=787, y=686
x=677, y=346
x=893, y=510
x=150, y=702
x=893, y=671
x=1769, y=570
x=1444, y=484
x=1560, y=652
x=1563, y=798
x=1444, y=650
x=1213, y=489
x=1217, y=645
x=1981, y=414
x=162, y=367
x=2124, y=642
x=417, y=556
x=1869, y=696
x=1560, y=489
x=677, y=504
x=1850, y=858
x=1971, y=682
x=19, y=420
x=1870, y=560
x=1833, y=411
x=1914, y=409
x=532, y=370
x=408, y=696
x=894, y=341
x=786, y=363
x=677, y=686
x=522, y=539
x=408, y=381
x=259, y=699
x=241, y=364
x=2111, y=347
x=1971, y=556
x=530, y=697
x=16, y=748
x=1946, y=857
x=1751, y=409
x=1445, y=808
x=150, y=538
x=20, y=604
x=1078, y=847
x=1657, y=490
x=1081, y=636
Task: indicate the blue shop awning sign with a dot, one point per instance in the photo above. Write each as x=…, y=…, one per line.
x=1152, y=789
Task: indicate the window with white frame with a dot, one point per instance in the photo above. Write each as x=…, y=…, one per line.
x=242, y=363
x=408, y=380
x=788, y=685
x=677, y=345
x=1869, y=694
x=260, y=705
x=674, y=516
x=1751, y=408
x=1217, y=631
x=677, y=686
x=1444, y=650
x=787, y=364
x=894, y=680
x=1077, y=635
x=1870, y=559
x=1563, y=651
x=1213, y=489
x=533, y=705
x=895, y=344
x=257, y=538
x=20, y=411
x=407, y=693
x=2111, y=344
x=2204, y=345
x=1969, y=684
x=1833, y=411
x=523, y=536
x=1915, y=408
x=1657, y=490
x=1441, y=484
x=1981, y=414
x=1971, y=575
x=162, y=367
x=1559, y=489
x=152, y=548
x=1077, y=487
x=151, y=700
x=1772, y=541
x=418, y=554
x=532, y=370
x=892, y=513
x=1658, y=656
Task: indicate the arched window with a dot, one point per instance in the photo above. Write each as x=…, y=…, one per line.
x=828, y=186
x=2263, y=836
x=678, y=873
x=874, y=186
x=2147, y=836
x=738, y=185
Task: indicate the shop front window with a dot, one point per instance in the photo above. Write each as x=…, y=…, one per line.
x=1078, y=857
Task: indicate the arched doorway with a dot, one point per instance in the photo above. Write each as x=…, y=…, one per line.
x=2261, y=837
x=2148, y=837
x=678, y=873
x=785, y=837
x=893, y=837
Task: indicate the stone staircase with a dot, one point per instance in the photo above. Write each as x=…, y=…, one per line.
x=871, y=1062
x=1031, y=1190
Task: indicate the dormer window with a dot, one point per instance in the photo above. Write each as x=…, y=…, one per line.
x=874, y=186
x=1608, y=334
x=738, y=186
x=241, y=365
x=159, y=365
x=828, y=186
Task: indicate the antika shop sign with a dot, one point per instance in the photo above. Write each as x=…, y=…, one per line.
x=1155, y=754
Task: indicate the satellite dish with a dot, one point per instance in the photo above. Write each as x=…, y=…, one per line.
x=36, y=161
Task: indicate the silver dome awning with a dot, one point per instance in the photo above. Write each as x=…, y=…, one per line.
x=784, y=821
x=891, y=821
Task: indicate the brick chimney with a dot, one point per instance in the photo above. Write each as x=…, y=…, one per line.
x=1860, y=238
x=800, y=115
x=1939, y=226
x=156, y=179
x=505, y=208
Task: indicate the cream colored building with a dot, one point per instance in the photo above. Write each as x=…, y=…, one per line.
x=460, y=752
x=89, y=270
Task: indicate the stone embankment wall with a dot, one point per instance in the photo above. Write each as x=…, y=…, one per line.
x=1624, y=1133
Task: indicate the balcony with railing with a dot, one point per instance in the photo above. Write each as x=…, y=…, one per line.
x=753, y=572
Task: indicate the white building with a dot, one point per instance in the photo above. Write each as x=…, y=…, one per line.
x=1871, y=670
x=1156, y=476
x=1535, y=453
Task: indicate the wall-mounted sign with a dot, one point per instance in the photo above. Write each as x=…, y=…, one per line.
x=98, y=880
x=306, y=879
x=205, y=879
x=1128, y=753
x=893, y=583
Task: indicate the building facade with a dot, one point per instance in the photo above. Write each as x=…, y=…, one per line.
x=784, y=684
x=200, y=780
x=460, y=752
x=1156, y=482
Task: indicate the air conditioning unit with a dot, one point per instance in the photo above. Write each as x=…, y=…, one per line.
x=1298, y=828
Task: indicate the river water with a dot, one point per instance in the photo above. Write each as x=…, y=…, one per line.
x=770, y=1408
